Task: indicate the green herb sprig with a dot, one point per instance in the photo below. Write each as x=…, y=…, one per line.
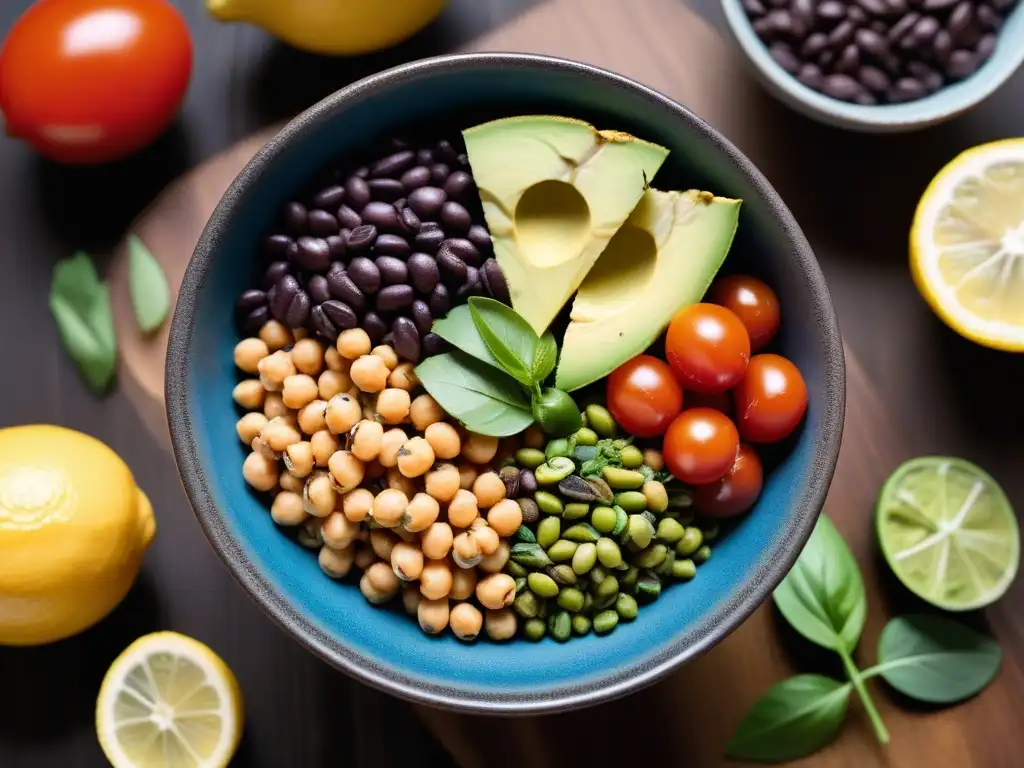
x=928, y=658
x=80, y=304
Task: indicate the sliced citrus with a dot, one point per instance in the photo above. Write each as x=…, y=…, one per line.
x=948, y=532
x=967, y=244
x=168, y=701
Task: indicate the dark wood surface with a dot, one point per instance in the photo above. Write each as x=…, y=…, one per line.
x=915, y=387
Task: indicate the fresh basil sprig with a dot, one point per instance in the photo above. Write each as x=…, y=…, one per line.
x=147, y=284
x=929, y=658
x=80, y=304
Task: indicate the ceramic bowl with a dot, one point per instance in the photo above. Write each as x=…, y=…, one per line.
x=384, y=647
x=885, y=118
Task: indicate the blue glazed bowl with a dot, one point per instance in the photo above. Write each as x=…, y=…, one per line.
x=885, y=118
x=384, y=647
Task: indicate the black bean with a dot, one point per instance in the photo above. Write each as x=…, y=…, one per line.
x=777, y=3
x=322, y=223
x=424, y=157
x=942, y=46
x=494, y=281
x=481, y=238
x=285, y=290
x=469, y=288
x=295, y=218
x=276, y=246
x=842, y=34
x=394, y=297
x=865, y=98
x=298, y=310
x=329, y=197
x=902, y=27
x=341, y=315
x=961, y=64
x=527, y=483
x=426, y=202
x=897, y=7
x=879, y=27
x=922, y=33
x=446, y=151
x=400, y=143
x=777, y=22
x=406, y=339
x=381, y=215
x=255, y=320
x=906, y=89
x=363, y=172
x=784, y=57
x=439, y=174
x=874, y=78
x=387, y=190
x=361, y=239
x=336, y=244
x=849, y=60
x=856, y=14
x=841, y=87
x=250, y=300
x=415, y=178
x=344, y=287
x=464, y=249
x=270, y=296
x=874, y=7
x=421, y=316
x=455, y=217
x=357, y=192
x=275, y=271
x=348, y=218
x=374, y=326
x=813, y=45
x=391, y=245
x=811, y=76
x=831, y=11
x=433, y=344
x=323, y=326
x=803, y=14
x=364, y=274
x=318, y=289
x=754, y=8
x=458, y=184
x=392, y=270
x=439, y=300
x=462, y=160
x=988, y=17
x=986, y=47
x=423, y=272
x=938, y=5
x=394, y=165
x=871, y=42
x=429, y=240
x=452, y=268
x=314, y=254
x=825, y=60
x=408, y=221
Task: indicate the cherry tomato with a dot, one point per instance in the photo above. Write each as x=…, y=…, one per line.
x=754, y=303
x=644, y=396
x=720, y=401
x=734, y=493
x=771, y=399
x=707, y=348
x=88, y=81
x=700, y=445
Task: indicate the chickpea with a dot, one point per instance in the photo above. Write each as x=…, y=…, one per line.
x=324, y=445
x=275, y=335
x=465, y=550
x=338, y=531
x=393, y=405
x=274, y=369
x=383, y=578
x=501, y=624
x=443, y=439
x=336, y=563
x=365, y=556
x=292, y=482
x=249, y=352
x=534, y=437
x=421, y=513
x=249, y=394
x=278, y=434
x=298, y=458
x=425, y=411
x=403, y=376
x=488, y=489
x=319, y=495
x=486, y=537
x=479, y=449
x=382, y=542
x=299, y=390
x=308, y=356
x=389, y=507
x=462, y=510
x=300, y=333
x=411, y=599
x=287, y=509
x=250, y=426
x=436, y=541
x=654, y=459
x=353, y=343
x=356, y=504
x=390, y=444
x=505, y=517
x=406, y=561
x=415, y=457
x=400, y=482
x=496, y=591
x=374, y=469
x=346, y=470
x=334, y=361
x=366, y=439
x=313, y=417
x=369, y=373
x=370, y=592
x=260, y=471
x=273, y=406
x=435, y=579
x=405, y=535
x=343, y=411
x=468, y=474
x=466, y=621
x=433, y=615
x=387, y=354
x=443, y=482
x=332, y=383
x=463, y=583
x=494, y=563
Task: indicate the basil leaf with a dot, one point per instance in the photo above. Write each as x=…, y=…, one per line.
x=509, y=338
x=484, y=399
x=147, y=284
x=459, y=330
x=545, y=356
x=80, y=305
x=935, y=659
x=822, y=597
x=792, y=719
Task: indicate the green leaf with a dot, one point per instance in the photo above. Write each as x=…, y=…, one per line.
x=935, y=659
x=509, y=338
x=484, y=399
x=822, y=597
x=147, y=283
x=459, y=330
x=80, y=304
x=545, y=357
x=794, y=718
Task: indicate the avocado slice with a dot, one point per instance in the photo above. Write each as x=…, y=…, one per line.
x=663, y=259
x=554, y=192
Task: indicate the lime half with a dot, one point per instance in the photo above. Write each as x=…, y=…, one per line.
x=948, y=532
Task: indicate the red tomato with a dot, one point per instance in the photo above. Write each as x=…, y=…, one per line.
x=700, y=445
x=88, y=81
x=734, y=493
x=771, y=399
x=720, y=401
x=644, y=396
x=707, y=348
x=754, y=303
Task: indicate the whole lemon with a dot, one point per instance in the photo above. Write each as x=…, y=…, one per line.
x=73, y=529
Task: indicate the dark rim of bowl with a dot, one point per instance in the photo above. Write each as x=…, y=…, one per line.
x=613, y=683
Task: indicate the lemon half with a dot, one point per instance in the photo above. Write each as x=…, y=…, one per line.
x=168, y=701
x=967, y=244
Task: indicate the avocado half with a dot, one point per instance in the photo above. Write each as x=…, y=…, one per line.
x=554, y=192
x=662, y=259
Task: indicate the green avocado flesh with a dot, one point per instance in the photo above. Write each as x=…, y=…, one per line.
x=554, y=192
x=662, y=259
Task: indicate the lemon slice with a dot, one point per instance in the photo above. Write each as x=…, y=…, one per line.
x=967, y=244
x=948, y=532
x=168, y=701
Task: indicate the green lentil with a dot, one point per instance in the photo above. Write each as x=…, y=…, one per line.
x=670, y=531
x=632, y=457
x=532, y=555
x=560, y=626
x=631, y=501
x=527, y=605
x=656, y=495
x=640, y=531
x=555, y=469
x=515, y=570
x=542, y=585
x=629, y=577
x=602, y=490
x=603, y=519
x=562, y=574
x=622, y=479
x=520, y=584
x=664, y=568
x=584, y=558
x=598, y=574
x=582, y=533
x=608, y=552
x=690, y=542
x=586, y=436
x=626, y=607
x=534, y=630
x=531, y=458
x=571, y=599
x=548, y=531
x=651, y=557
x=605, y=622
x=559, y=447
x=562, y=550
x=525, y=534
x=648, y=587
x=702, y=554
x=600, y=420
x=684, y=570
x=549, y=503
x=576, y=510
x=603, y=603
x=710, y=531
x=580, y=624
x=621, y=521
x=588, y=602
x=610, y=586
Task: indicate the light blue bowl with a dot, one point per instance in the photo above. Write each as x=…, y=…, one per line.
x=885, y=118
x=384, y=647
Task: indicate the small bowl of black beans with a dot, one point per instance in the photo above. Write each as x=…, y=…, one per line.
x=880, y=65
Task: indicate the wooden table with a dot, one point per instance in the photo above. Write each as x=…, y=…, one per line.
x=915, y=387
